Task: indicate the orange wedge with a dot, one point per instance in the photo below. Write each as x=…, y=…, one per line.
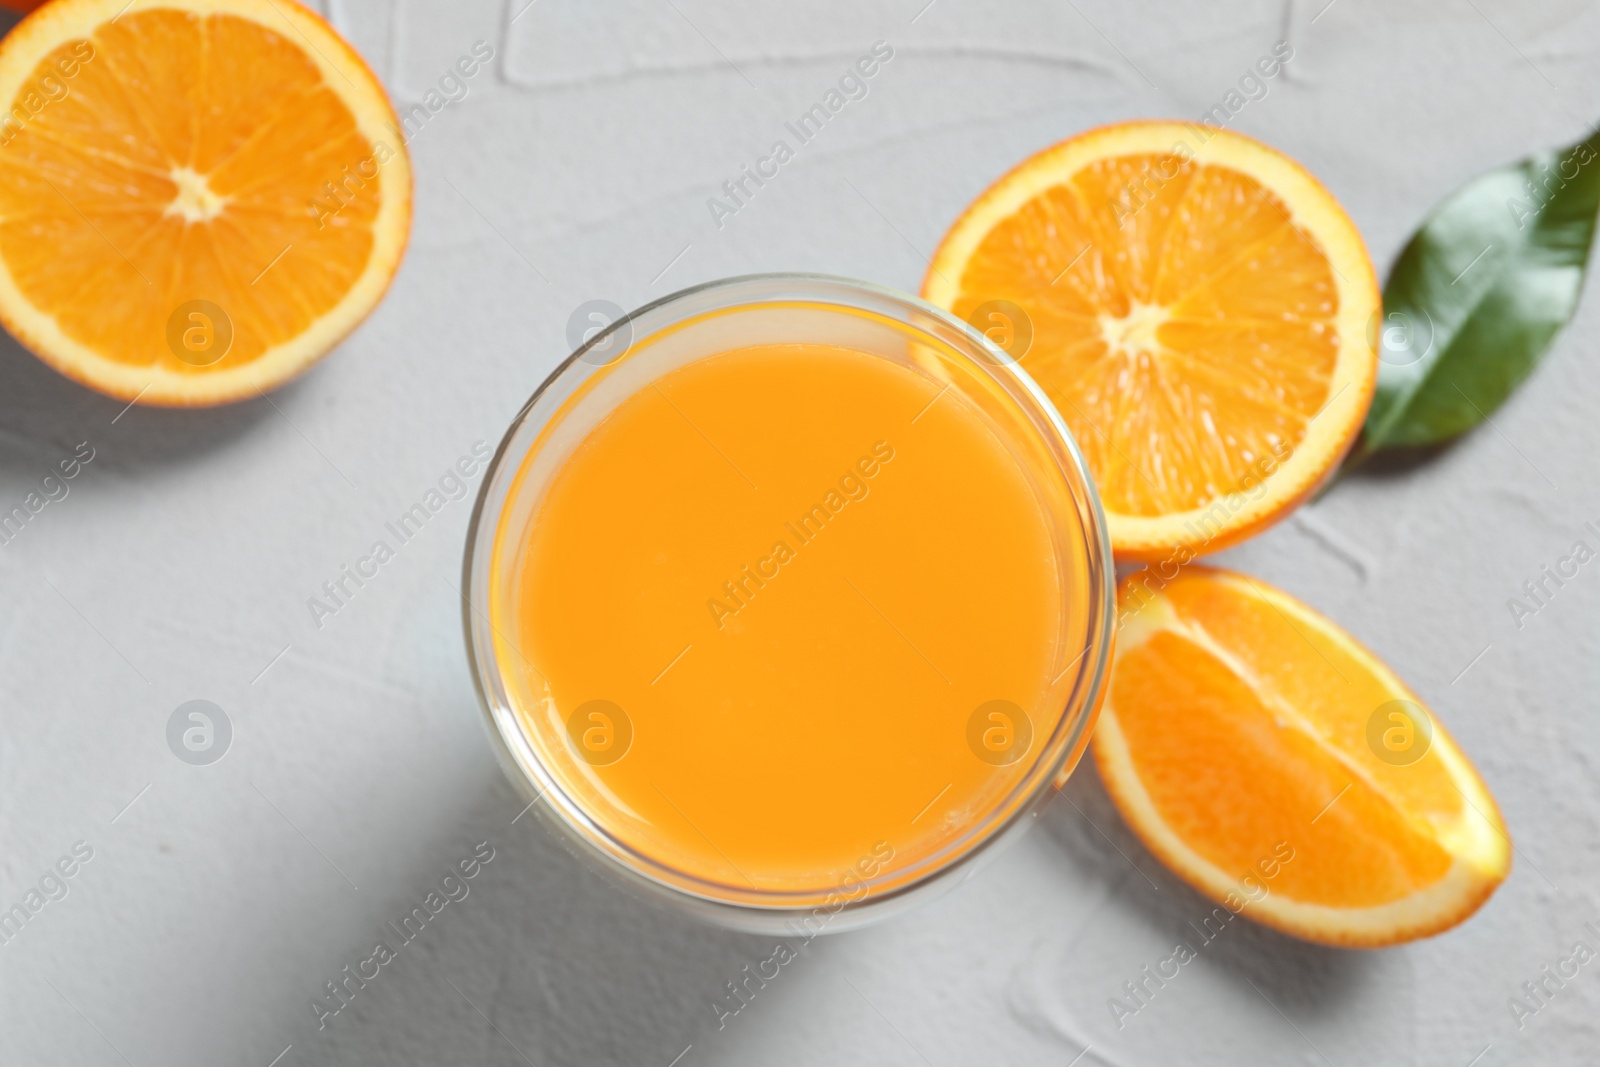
x=198, y=199
x=1197, y=306
x=1284, y=772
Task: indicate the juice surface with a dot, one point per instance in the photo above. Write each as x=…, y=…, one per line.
x=761, y=605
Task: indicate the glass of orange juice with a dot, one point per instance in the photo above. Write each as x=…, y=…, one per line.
x=789, y=597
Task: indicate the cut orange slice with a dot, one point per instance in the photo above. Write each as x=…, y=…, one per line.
x=1198, y=307
x=197, y=200
x=1284, y=772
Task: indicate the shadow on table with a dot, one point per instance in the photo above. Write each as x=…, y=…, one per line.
x=1302, y=979
x=1391, y=464
x=44, y=416
x=547, y=960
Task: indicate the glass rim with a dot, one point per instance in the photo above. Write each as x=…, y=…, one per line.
x=755, y=908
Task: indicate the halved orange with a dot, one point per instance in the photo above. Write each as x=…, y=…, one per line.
x=1284, y=772
x=197, y=199
x=1201, y=313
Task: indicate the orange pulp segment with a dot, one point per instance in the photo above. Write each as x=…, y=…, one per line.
x=1239, y=728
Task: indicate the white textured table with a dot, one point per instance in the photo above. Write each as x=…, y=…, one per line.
x=219, y=899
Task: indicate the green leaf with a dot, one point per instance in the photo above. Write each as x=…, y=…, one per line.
x=1478, y=293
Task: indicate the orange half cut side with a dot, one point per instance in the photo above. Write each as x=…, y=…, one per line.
x=197, y=200
x=1197, y=306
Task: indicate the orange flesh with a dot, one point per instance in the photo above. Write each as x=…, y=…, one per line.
x=1195, y=331
x=1263, y=744
x=778, y=746
x=177, y=161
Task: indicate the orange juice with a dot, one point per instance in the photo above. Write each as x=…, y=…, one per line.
x=790, y=617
